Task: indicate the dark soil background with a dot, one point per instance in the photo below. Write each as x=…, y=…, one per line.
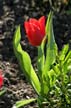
x=12, y=13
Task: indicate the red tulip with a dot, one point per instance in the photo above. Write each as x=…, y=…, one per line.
x=35, y=30
x=1, y=79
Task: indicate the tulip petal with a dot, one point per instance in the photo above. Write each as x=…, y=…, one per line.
x=36, y=34
x=35, y=23
x=35, y=30
x=42, y=24
x=28, y=30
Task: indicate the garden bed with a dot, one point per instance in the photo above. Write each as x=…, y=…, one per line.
x=14, y=12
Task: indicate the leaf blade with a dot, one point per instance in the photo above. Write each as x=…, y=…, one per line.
x=23, y=102
x=25, y=61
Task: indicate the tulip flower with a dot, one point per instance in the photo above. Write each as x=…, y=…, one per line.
x=35, y=30
x=1, y=79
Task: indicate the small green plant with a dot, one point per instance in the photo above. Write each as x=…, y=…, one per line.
x=53, y=81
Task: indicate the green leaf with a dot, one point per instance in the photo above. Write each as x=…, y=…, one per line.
x=25, y=61
x=52, y=77
x=67, y=98
x=67, y=57
x=69, y=64
x=64, y=52
x=41, y=59
x=24, y=102
x=51, y=50
x=56, y=69
x=2, y=92
x=66, y=62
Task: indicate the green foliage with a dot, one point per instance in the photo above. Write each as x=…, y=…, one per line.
x=51, y=51
x=2, y=92
x=25, y=62
x=53, y=82
x=60, y=87
x=41, y=59
x=64, y=52
x=24, y=102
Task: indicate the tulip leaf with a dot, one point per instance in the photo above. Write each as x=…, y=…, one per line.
x=41, y=58
x=51, y=51
x=51, y=46
x=21, y=103
x=25, y=61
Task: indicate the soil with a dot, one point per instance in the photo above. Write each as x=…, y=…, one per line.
x=12, y=13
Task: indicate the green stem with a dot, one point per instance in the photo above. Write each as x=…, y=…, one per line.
x=42, y=102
